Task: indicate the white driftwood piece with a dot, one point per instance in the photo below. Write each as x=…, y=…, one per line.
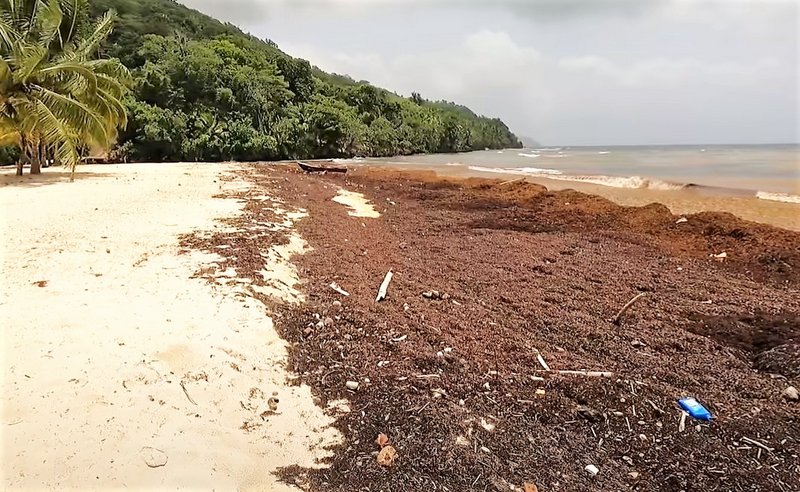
x=384, y=286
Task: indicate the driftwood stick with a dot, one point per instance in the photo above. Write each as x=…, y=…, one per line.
x=759, y=444
x=541, y=360
x=511, y=181
x=591, y=374
x=384, y=286
x=655, y=407
x=616, y=319
x=338, y=289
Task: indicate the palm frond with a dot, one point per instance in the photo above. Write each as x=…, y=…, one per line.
x=66, y=72
x=76, y=115
x=72, y=10
x=51, y=91
x=49, y=22
x=101, y=31
x=8, y=32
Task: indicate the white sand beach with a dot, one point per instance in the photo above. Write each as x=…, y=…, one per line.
x=119, y=369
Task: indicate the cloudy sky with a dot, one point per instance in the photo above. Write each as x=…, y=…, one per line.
x=570, y=72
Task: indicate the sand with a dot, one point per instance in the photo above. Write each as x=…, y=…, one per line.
x=119, y=369
x=358, y=204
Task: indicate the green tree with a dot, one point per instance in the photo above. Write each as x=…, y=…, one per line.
x=55, y=99
x=205, y=90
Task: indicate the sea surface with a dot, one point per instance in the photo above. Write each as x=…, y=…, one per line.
x=767, y=172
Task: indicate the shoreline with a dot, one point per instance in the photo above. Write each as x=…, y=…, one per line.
x=686, y=200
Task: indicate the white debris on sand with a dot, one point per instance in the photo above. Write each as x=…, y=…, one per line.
x=358, y=203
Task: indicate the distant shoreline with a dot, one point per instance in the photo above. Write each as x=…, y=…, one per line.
x=692, y=199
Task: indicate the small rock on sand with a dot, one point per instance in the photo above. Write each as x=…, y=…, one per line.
x=352, y=385
x=791, y=393
x=153, y=457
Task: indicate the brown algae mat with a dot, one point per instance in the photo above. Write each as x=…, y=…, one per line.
x=453, y=377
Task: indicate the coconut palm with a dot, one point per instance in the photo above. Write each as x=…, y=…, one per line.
x=55, y=99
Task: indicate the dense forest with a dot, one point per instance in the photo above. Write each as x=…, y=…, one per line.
x=151, y=80
x=204, y=90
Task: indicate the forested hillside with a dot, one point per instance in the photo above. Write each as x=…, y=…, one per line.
x=203, y=90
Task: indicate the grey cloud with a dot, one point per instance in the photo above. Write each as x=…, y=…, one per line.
x=554, y=10
x=564, y=72
x=239, y=12
x=248, y=10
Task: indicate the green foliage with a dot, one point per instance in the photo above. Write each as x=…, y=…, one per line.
x=55, y=98
x=9, y=154
x=204, y=90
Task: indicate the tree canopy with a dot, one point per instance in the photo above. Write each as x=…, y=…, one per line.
x=55, y=97
x=204, y=90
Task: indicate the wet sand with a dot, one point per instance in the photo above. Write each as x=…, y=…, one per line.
x=780, y=214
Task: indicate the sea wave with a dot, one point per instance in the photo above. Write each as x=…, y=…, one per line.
x=522, y=154
x=604, y=152
x=633, y=182
x=453, y=164
x=778, y=197
x=530, y=171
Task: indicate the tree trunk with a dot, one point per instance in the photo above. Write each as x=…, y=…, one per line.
x=23, y=154
x=36, y=159
x=46, y=154
x=36, y=165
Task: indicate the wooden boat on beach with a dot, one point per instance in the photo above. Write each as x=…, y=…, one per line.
x=320, y=169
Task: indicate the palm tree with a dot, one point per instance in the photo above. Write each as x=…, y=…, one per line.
x=55, y=99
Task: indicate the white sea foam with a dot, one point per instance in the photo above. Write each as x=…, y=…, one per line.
x=531, y=171
x=604, y=152
x=522, y=154
x=632, y=182
x=778, y=197
x=345, y=161
x=453, y=164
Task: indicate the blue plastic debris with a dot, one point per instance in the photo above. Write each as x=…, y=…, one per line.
x=694, y=408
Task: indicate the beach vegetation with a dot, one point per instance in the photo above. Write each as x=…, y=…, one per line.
x=171, y=84
x=206, y=91
x=58, y=99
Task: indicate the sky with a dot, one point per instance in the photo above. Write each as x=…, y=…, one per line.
x=563, y=72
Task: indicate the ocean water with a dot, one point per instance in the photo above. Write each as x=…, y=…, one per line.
x=767, y=172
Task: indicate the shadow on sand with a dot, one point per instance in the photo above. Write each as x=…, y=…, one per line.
x=49, y=176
